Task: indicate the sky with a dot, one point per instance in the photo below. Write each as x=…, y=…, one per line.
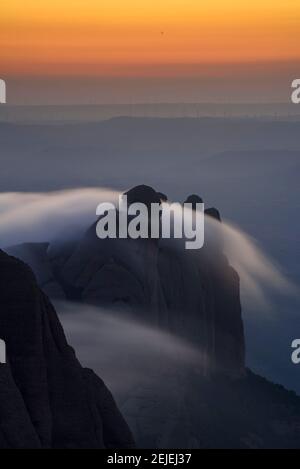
x=158, y=50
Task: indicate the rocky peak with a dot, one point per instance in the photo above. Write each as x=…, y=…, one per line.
x=47, y=400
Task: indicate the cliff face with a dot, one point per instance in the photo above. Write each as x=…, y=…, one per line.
x=202, y=294
x=47, y=400
x=194, y=295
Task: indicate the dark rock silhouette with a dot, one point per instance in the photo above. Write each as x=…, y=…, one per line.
x=37, y=256
x=47, y=400
x=144, y=194
x=193, y=199
x=193, y=295
x=163, y=197
x=213, y=213
x=185, y=410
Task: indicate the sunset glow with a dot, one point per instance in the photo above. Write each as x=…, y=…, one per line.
x=96, y=38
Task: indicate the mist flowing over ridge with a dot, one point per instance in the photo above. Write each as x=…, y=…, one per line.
x=64, y=216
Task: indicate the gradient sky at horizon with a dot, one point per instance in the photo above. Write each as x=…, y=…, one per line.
x=184, y=49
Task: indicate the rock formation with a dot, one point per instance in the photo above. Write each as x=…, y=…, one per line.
x=47, y=400
x=194, y=295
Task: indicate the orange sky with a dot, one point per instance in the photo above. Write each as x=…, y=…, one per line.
x=143, y=38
